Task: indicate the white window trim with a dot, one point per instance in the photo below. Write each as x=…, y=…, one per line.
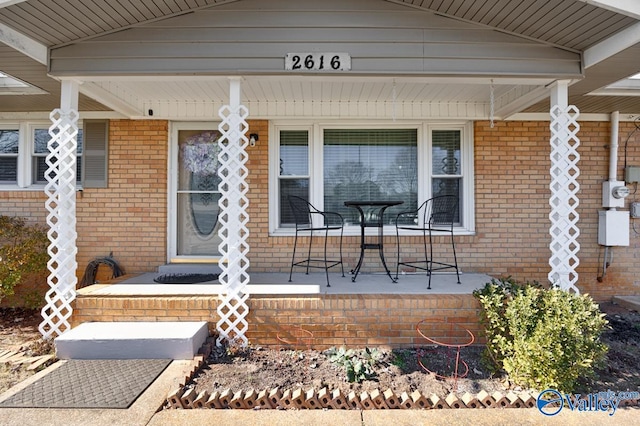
x=316, y=178
x=26, y=148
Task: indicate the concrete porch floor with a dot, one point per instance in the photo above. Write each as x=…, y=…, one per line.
x=315, y=283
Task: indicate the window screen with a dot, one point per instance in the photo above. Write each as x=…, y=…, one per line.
x=41, y=150
x=9, y=140
x=293, y=170
x=370, y=164
x=446, y=166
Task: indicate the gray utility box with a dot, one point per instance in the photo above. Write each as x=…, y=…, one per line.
x=613, y=228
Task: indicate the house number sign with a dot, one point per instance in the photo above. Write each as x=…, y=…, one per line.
x=317, y=62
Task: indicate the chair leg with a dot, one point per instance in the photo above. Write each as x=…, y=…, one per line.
x=341, y=261
x=293, y=256
x=309, y=252
x=429, y=258
x=455, y=258
x=326, y=266
x=398, y=251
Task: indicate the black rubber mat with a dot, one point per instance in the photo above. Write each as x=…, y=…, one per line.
x=114, y=383
x=185, y=278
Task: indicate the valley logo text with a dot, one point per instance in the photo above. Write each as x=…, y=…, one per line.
x=550, y=402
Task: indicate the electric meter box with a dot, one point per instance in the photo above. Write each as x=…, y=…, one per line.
x=613, y=193
x=613, y=228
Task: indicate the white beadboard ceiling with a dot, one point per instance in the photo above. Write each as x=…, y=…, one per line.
x=573, y=25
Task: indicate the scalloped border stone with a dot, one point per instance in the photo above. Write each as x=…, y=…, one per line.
x=309, y=399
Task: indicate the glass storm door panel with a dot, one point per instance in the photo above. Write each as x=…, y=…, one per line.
x=197, y=194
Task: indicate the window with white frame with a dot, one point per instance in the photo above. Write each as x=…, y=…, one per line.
x=331, y=164
x=9, y=148
x=23, y=152
x=293, y=170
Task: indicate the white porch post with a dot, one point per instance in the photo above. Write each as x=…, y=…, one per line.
x=564, y=188
x=61, y=205
x=233, y=203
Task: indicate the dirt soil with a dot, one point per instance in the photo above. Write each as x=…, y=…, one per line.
x=400, y=370
x=19, y=333
x=267, y=368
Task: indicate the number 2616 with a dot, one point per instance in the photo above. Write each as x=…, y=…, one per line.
x=317, y=61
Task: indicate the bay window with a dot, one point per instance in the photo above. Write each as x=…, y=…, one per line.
x=329, y=164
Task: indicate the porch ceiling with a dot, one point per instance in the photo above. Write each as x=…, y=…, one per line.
x=572, y=25
x=297, y=96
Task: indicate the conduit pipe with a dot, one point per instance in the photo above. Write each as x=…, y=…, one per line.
x=613, y=146
x=613, y=224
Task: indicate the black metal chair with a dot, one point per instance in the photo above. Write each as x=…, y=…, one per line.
x=303, y=214
x=434, y=215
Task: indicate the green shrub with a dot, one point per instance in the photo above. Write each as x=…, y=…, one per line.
x=358, y=364
x=23, y=252
x=542, y=338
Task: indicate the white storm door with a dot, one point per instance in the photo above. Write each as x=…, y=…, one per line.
x=194, y=195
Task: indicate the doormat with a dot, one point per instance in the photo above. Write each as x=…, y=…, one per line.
x=185, y=278
x=84, y=383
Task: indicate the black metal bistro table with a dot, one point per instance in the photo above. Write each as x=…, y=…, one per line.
x=371, y=216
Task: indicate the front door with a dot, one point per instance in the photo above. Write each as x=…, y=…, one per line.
x=193, y=206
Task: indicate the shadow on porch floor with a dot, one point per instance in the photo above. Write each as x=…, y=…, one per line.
x=313, y=283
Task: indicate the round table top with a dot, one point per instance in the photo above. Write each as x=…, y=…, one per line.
x=373, y=203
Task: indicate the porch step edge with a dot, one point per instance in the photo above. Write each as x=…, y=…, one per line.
x=629, y=302
x=133, y=340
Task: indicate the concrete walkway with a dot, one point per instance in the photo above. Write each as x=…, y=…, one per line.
x=145, y=412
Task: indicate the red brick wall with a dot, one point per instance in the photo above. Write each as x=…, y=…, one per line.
x=334, y=320
x=129, y=218
x=512, y=192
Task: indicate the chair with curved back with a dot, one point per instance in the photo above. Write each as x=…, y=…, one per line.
x=436, y=215
x=304, y=214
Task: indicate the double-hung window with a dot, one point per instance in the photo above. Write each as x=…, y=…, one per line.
x=23, y=153
x=9, y=149
x=39, y=155
x=293, y=170
x=329, y=164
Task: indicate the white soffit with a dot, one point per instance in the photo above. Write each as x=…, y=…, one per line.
x=5, y=3
x=624, y=7
x=12, y=86
x=627, y=87
x=134, y=96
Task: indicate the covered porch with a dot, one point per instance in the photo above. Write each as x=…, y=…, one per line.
x=397, y=69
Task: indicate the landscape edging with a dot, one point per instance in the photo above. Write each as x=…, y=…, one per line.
x=185, y=397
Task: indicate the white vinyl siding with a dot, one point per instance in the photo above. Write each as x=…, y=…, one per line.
x=255, y=35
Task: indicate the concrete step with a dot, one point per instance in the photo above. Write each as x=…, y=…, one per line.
x=132, y=340
x=629, y=302
x=189, y=268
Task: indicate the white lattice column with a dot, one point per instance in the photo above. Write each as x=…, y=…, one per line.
x=232, y=306
x=61, y=217
x=564, y=189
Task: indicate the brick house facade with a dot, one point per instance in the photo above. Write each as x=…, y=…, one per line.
x=129, y=218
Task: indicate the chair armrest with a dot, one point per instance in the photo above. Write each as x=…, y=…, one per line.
x=329, y=215
x=410, y=216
